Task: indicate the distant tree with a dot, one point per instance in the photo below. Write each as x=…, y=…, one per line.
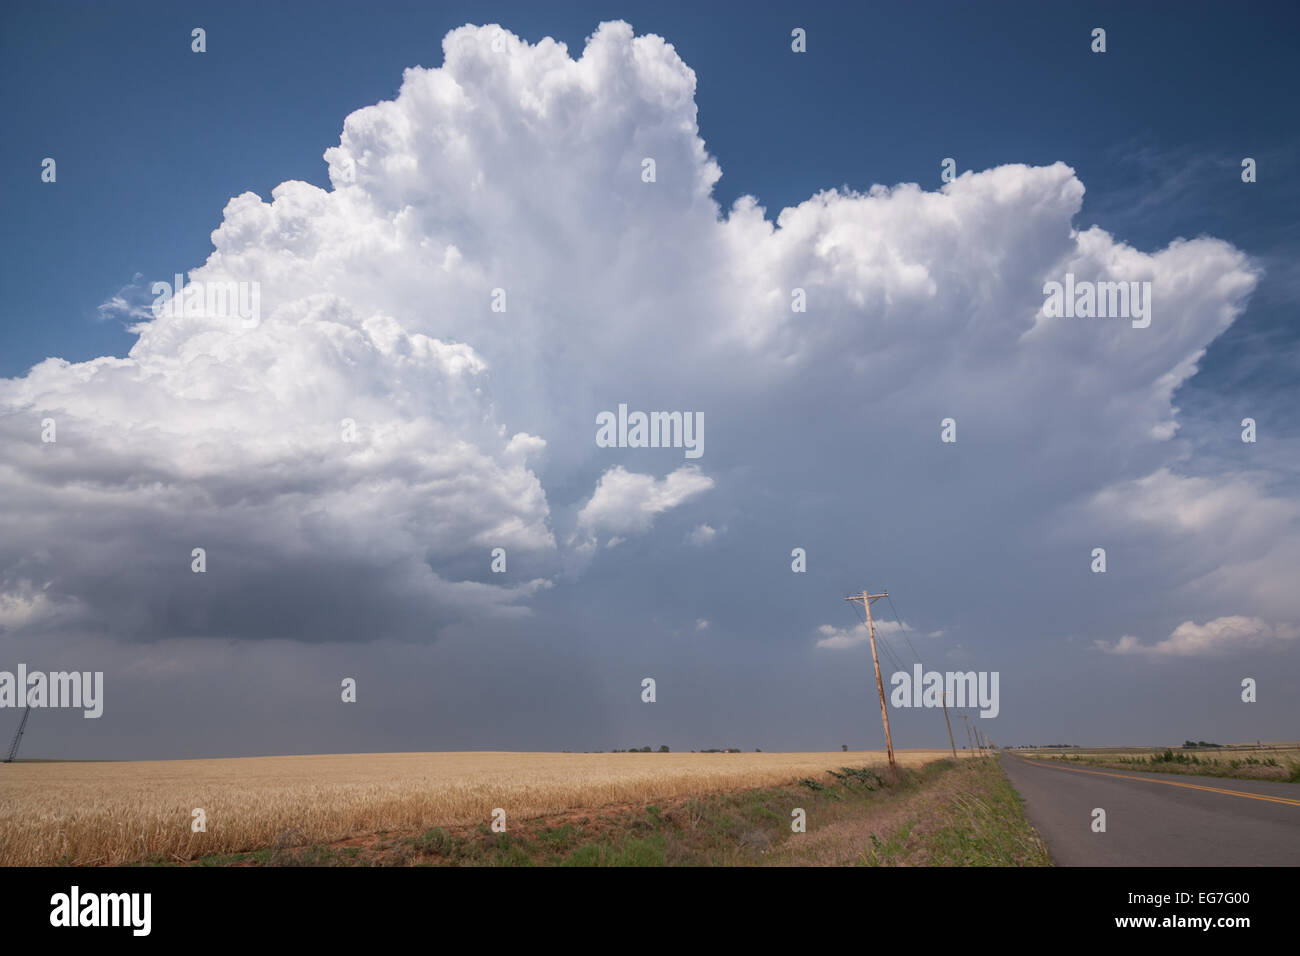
x=757, y=750
x=663, y=748
x=844, y=747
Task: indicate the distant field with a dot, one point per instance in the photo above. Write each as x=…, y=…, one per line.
x=122, y=812
x=1278, y=761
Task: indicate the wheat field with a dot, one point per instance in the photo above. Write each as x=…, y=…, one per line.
x=109, y=813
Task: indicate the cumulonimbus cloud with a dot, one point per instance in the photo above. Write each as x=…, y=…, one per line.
x=488, y=270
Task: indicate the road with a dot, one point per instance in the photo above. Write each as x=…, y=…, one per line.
x=1155, y=819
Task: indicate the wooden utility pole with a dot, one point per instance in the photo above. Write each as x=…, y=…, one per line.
x=969, y=738
x=949, y=723
x=866, y=600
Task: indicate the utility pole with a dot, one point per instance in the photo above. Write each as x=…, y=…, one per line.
x=866, y=600
x=949, y=723
x=13, y=748
x=969, y=738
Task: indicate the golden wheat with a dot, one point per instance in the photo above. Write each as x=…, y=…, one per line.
x=112, y=813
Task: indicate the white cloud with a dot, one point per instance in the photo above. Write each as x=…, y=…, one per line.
x=24, y=605
x=233, y=440
x=701, y=535
x=1214, y=638
x=1235, y=507
x=838, y=638
x=520, y=170
x=626, y=502
x=1235, y=540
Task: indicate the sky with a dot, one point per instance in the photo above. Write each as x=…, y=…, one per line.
x=453, y=259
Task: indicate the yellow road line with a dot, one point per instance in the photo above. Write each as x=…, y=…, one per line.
x=1172, y=783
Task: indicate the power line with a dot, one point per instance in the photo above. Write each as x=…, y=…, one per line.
x=862, y=619
x=893, y=659
x=904, y=632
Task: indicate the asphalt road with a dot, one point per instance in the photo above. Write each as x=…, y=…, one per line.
x=1157, y=819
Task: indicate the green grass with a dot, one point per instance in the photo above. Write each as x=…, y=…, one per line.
x=888, y=852
x=987, y=827
x=635, y=851
x=978, y=820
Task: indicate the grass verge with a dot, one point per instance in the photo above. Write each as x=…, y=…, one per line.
x=1171, y=761
x=946, y=814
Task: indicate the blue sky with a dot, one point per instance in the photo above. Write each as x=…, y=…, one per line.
x=152, y=141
